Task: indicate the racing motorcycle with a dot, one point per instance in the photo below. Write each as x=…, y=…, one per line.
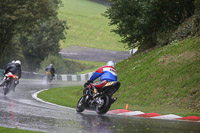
x=11, y=81
x=48, y=77
x=100, y=101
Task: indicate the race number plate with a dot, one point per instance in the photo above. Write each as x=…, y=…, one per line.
x=109, y=83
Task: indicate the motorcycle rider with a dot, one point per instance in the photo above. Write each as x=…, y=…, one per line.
x=6, y=66
x=51, y=69
x=10, y=63
x=107, y=73
x=15, y=68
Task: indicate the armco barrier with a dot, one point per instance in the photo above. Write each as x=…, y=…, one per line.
x=32, y=75
x=70, y=77
x=62, y=77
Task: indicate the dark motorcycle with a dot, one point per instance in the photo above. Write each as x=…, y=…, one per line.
x=11, y=81
x=100, y=101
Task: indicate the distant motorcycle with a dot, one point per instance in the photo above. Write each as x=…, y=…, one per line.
x=11, y=81
x=100, y=101
x=48, y=77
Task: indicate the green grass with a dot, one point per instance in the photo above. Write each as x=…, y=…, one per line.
x=93, y=65
x=15, y=130
x=66, y=96
x=164, y=80
x=87, y=26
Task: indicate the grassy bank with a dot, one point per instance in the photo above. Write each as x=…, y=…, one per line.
x=94, y=65
x=65, y=96
x=87, y=26
x=15, y=130
x=164, y=80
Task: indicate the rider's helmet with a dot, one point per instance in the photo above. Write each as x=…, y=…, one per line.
x=18, y=62
x=51, y=65
x=110, y=63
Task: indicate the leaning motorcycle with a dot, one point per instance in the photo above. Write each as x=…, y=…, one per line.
x=11, y=81
x=100, y=101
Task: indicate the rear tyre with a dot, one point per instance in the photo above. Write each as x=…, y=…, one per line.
x=48, y=80
x=80, y=105
x=13, y=85
x=7, y=88
x=105, y=106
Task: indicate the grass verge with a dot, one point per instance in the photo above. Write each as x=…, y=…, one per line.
x=69, y=96
x=65, y=96
x=93, y=65
x=15, y=130
x=87, y=26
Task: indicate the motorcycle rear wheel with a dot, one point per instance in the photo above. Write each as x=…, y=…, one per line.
x=48, y=79
x=102, y=109
x=80, y=105
x=6, y=88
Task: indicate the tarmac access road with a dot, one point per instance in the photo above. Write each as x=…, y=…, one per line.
x=93, y=54
x=20, y=110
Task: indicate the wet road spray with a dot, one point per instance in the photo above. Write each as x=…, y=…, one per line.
x=19, y=110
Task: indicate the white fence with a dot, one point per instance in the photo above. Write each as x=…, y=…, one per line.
x=62, y=77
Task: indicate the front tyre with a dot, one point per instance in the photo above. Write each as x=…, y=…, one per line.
x=104, y=106
x=80, y=105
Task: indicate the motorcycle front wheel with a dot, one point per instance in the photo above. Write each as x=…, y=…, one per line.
x=104, y=106
x=80, y=105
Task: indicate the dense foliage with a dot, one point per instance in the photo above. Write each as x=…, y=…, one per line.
x=29, y=30
x=147, y=23
x=62, y=66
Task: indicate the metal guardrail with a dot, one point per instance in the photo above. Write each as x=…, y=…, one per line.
x=62, y=77
x=32, y=75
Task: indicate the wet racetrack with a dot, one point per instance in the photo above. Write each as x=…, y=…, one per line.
x=19, y=110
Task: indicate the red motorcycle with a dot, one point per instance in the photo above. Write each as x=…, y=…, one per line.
x=11, y=81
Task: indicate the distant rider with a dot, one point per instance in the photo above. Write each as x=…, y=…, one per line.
x=6, y=66
x=51, y=70
x=107, y=74
x=15, y=68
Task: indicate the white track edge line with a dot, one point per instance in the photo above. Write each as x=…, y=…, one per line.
x=34, y=95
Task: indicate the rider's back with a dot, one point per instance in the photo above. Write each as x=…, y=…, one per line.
x=107, y=73
x=14, y=69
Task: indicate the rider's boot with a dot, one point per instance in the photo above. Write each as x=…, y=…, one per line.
x=16, y=82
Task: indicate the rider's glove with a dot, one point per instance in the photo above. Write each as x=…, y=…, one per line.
x=87, y=83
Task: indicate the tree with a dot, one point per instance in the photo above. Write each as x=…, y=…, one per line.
x=62, y=66
x=22, y=20
x=18, y=16
x=42, y=42
x=142, y=22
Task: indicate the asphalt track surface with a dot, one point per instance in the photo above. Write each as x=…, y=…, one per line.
x=93, y=54
x=20, y=110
